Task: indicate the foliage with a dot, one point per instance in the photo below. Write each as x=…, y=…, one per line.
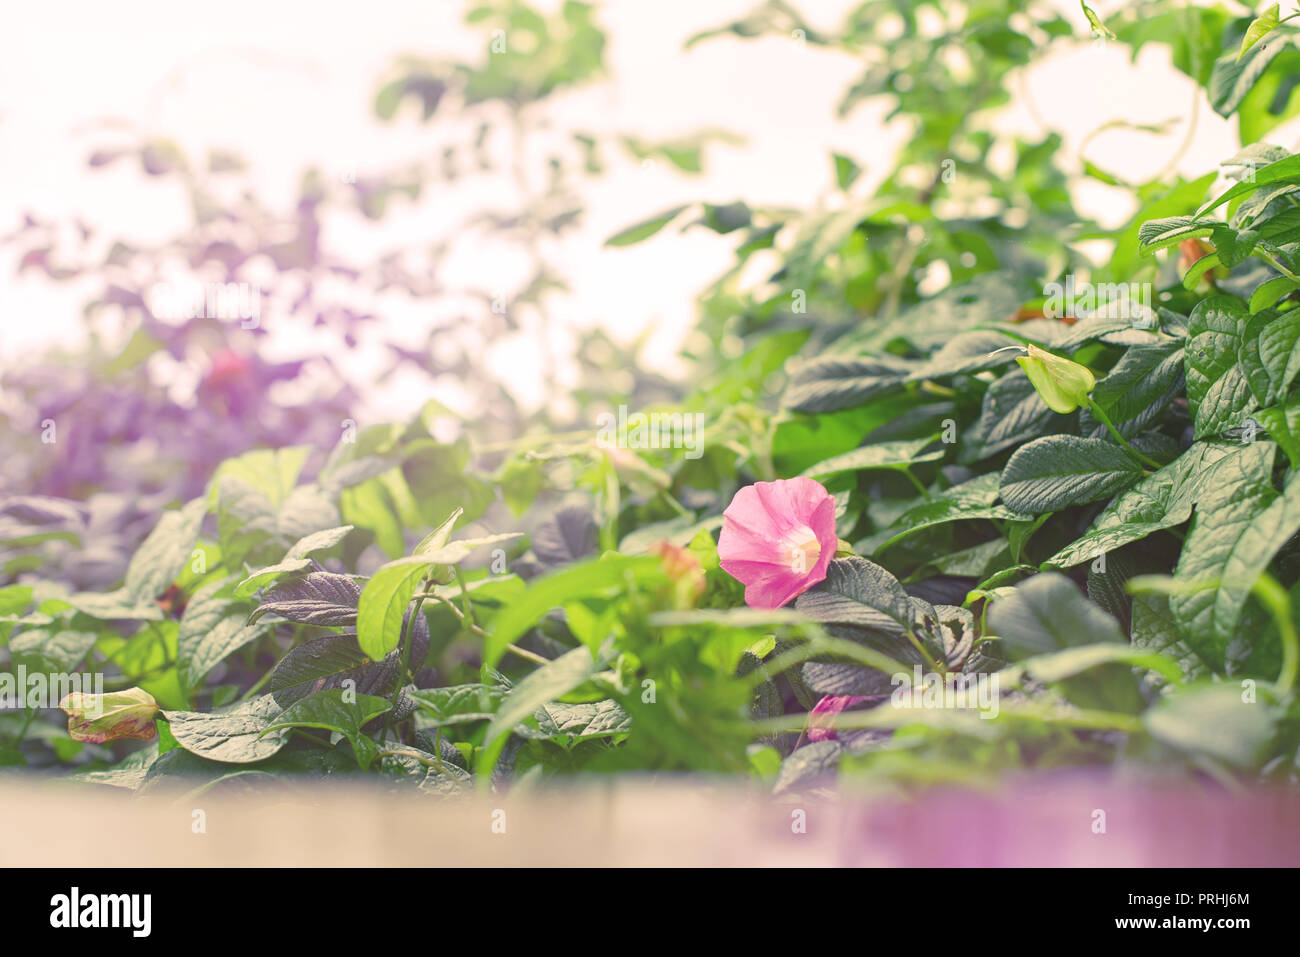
x=1090, y=500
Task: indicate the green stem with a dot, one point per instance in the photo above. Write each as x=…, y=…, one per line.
x=408, y=633
x=1102, y=417
x=464, y=594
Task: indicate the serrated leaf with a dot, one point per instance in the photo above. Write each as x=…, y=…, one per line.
x=1282, y=171
x=1240, y=524
x=1138, y=388
x=1218, y=394
x=295, y=560
x=200, y=652
x=1013, y=412
x=321, y=598
x=1058, y=471
x=861, y=600
x=1156, y=234
x=813, y=764
x=840, y=382
x=327, y=662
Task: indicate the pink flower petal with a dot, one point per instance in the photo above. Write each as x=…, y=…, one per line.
x=778, y=539
x=821, y=720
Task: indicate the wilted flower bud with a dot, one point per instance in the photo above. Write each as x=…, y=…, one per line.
x=1063, y=383
x=97, y=718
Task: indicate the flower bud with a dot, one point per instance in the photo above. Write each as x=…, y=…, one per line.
x=97, y=718
x=1062, y=383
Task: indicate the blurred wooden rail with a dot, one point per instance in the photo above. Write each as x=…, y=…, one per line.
x=672, y=822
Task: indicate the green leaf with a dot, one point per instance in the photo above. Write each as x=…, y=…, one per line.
x=331, y=711
x=1161, y=500
x=163, y=555
x=234, y=736
x=1234, y=75
x=1282, y=171
x=966, y=502
x=457, y=704
x=1099, y=29
x=1058, y=665
x=1283, y=425
x=550, y=681
x=1013, y=412
x=551, y=591
x=1259, y=28
x=840, y=382
x=883, y=455
x=645, y=229
x=439, y=536
x=861, y=600
x=1218, y=394
x=564, y=723
x=212, y=627
x=846, y=170
x=51, y=649
x=1138, y=388
x=295, y=560
x=1058, y=471
x=1048, y=613
x=1241, y=522
x=1270, y=292
x=383, y=605
x=1269, y=355
x=1214, y=721
x=1157, y=234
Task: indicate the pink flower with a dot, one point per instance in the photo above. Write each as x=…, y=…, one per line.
x=821, y=720
x=777, y=538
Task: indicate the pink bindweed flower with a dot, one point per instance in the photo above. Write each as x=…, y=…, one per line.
x=821, y=720
x=777, y=538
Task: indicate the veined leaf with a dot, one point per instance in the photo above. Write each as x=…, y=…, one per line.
x=882, y=455
x=838, y=382
x=163, y=555
x=1159, y=501
x=1283, y=425
x=1240, y=524
x=234, y=736
x=1058, y=471
x=330, y=711
x=1138, y=388
x=1217, y=391
x=1270, y=355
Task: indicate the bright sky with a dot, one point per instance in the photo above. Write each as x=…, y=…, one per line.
x=290, y=83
